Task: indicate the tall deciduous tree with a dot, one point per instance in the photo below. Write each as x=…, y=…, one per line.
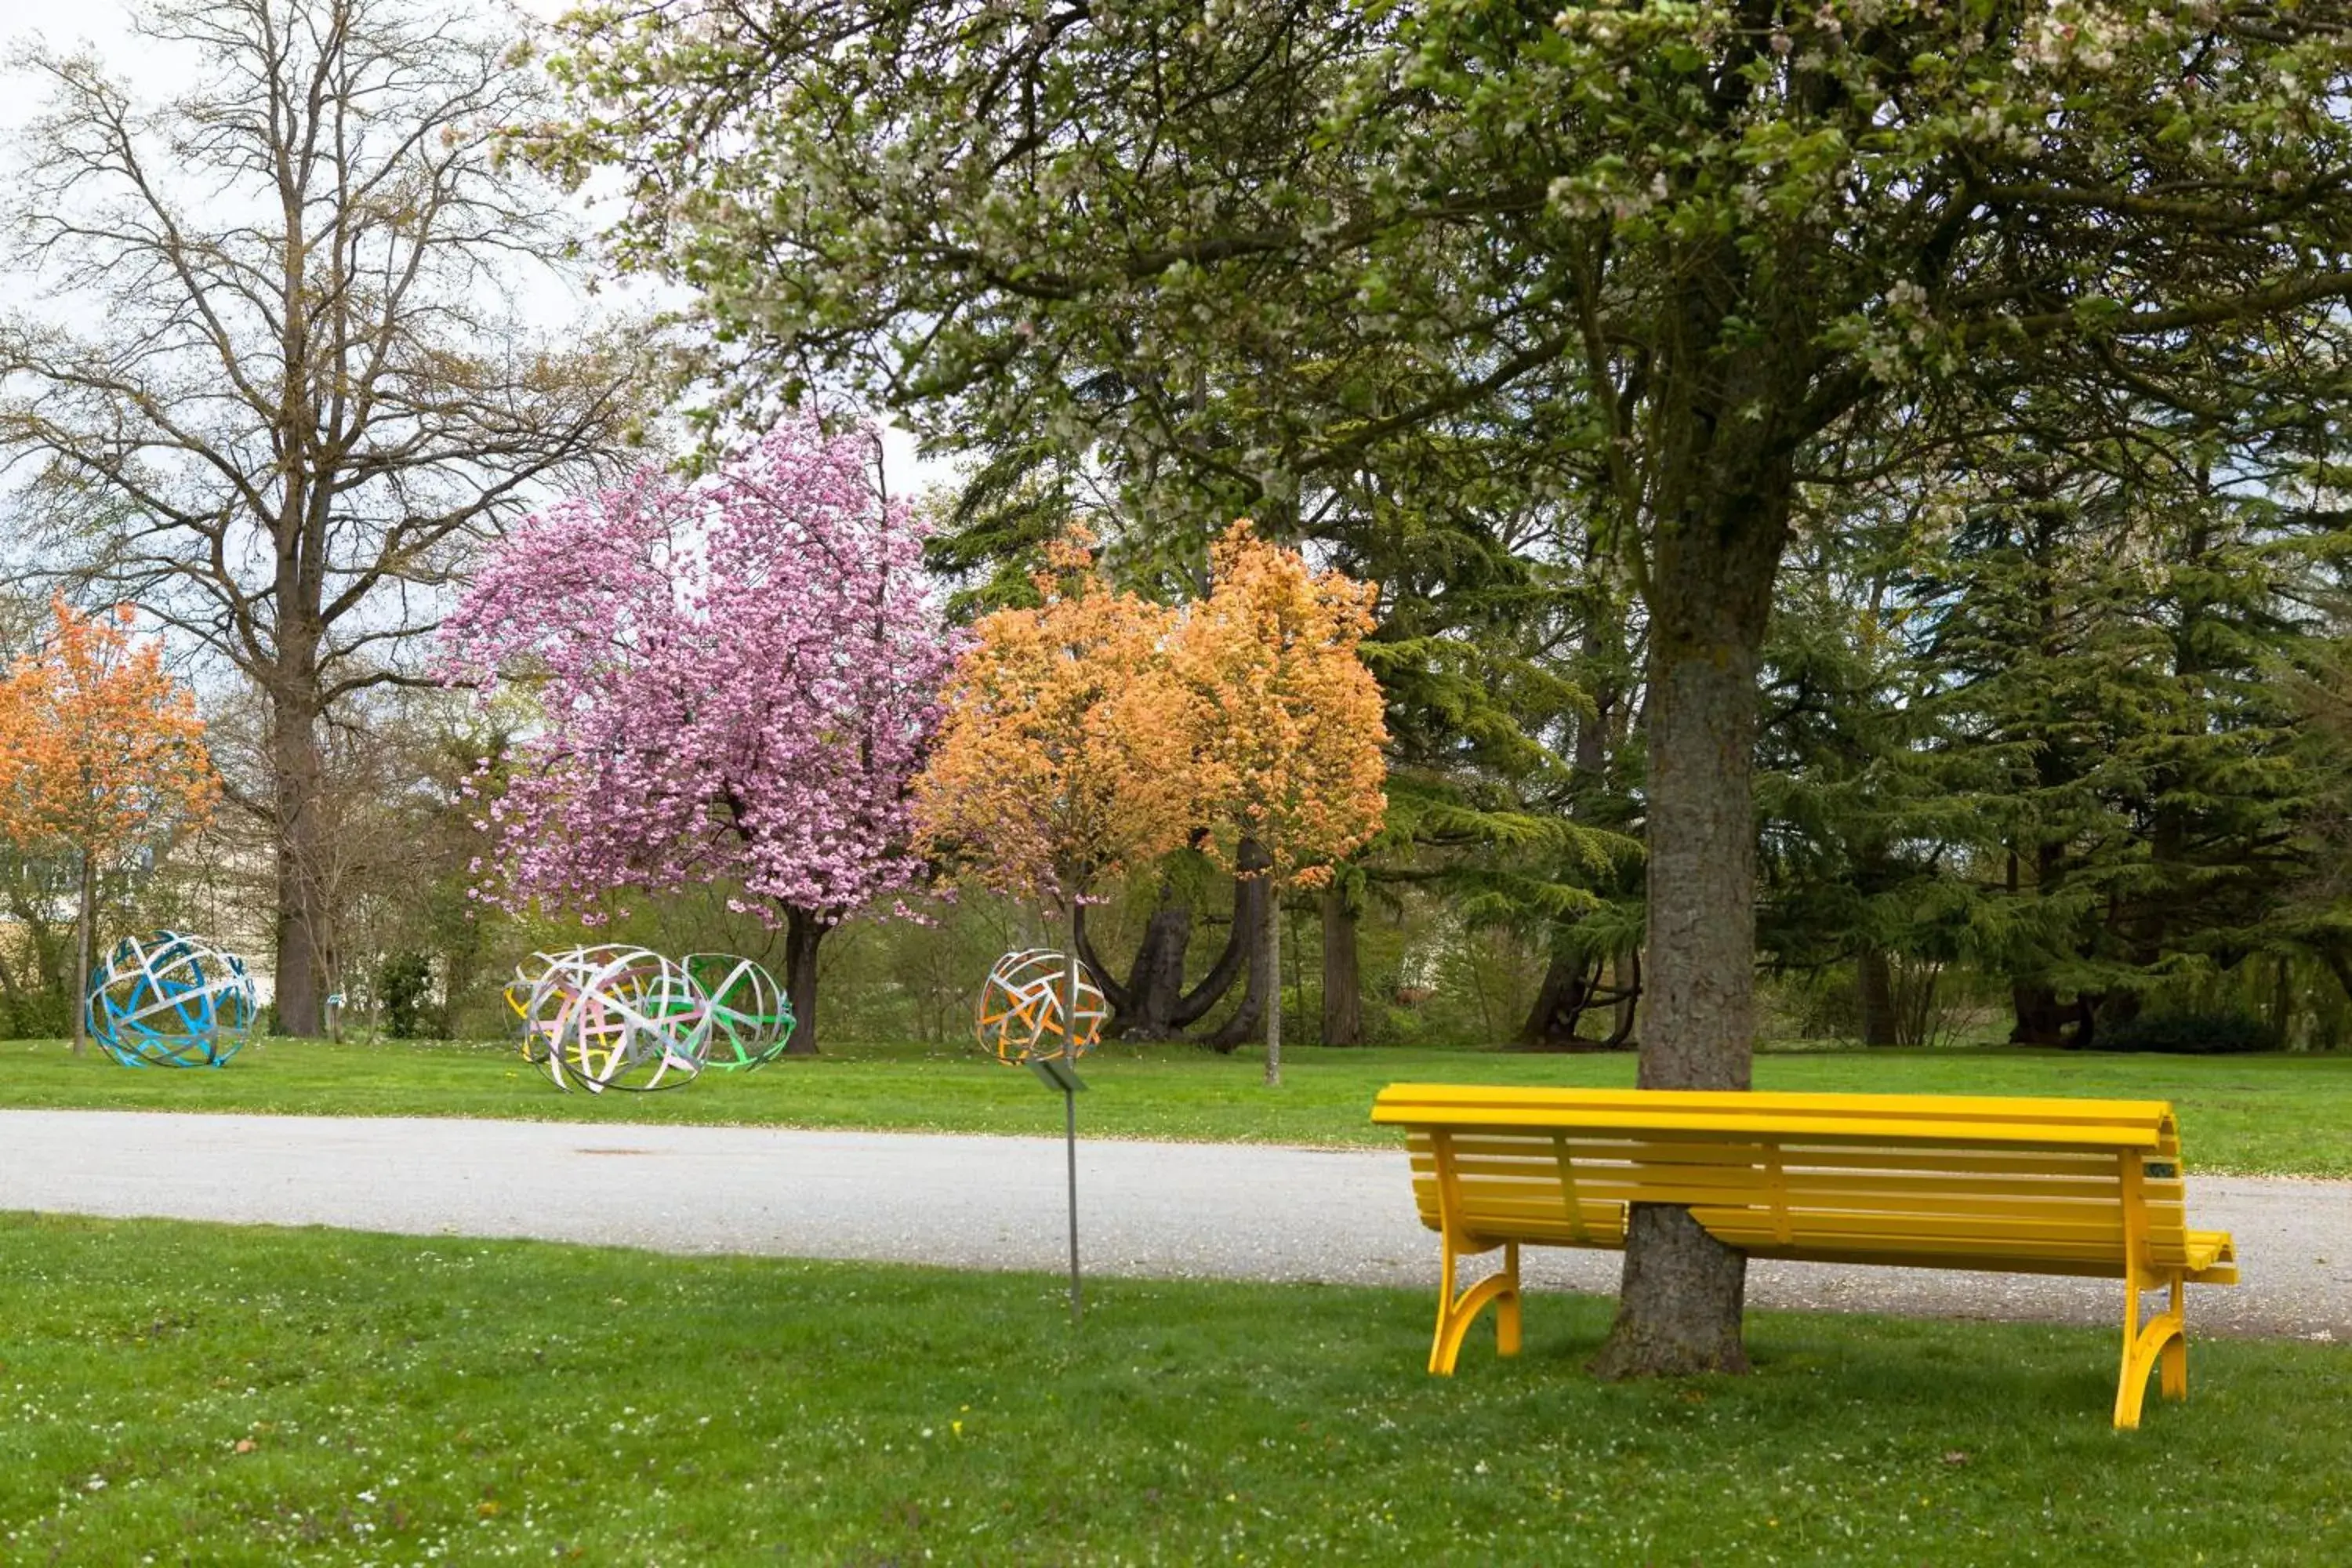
x=1062, y=759
x=100, y=750
x=1283, y=722
x=1677, y=246
x=736, y=681
x=279, y=382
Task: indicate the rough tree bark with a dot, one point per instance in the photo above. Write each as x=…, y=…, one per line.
x=1561, y=996
x=1232, y=959
x=298, y=784
x=1152, y=1004
x=1147, y=1005
x=1726, y=486
x=1251, y=929
x=87, y=907
x=2044, y=1020
x=1625, y=981
x=1573, y=986
x=1343, y=989
x=1874, y=978
x=804, y=929
x=1273, y=940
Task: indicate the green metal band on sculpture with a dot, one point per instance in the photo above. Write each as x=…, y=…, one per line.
x=616, y=1017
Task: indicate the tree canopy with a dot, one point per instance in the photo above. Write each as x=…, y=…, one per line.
x=735, y=681
x=101, y=751
x=269, y=368
x=1686, y=259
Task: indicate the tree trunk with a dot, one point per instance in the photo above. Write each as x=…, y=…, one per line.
x=1680, y=1302
x=1722, y=521
x=297, y=786
x=1625, y=975
x=1252, y=925
x=1070, y=1029
x=1343, y=991
x=1156, y=983
x=1246, y=949
x=1560, y=998
x=83, y=920
x=1240, y=950
x=1273, y=987
x=1874, y=977
x=802, y=931
x=1119, y=996
x=2041, y=1017
x=1146, y=1007
x=11, y=996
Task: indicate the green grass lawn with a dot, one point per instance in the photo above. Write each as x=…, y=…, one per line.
x=2264, y=1115
x=181, y=1392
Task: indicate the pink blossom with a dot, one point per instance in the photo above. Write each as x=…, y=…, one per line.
x=736, y=680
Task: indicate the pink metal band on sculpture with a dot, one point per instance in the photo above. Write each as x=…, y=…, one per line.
x=616, y=1017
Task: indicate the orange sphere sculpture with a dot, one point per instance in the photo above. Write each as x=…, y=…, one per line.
x=1020, y=1008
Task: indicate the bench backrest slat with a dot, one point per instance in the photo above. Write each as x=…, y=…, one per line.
x=1669, y=1113
x=2037, y=1183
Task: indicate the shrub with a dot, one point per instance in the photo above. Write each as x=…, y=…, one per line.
x=39, y=1016
x=405, y=982
x=2219, y=1033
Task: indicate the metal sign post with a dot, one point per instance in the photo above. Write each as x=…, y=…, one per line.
x=1058, y=1072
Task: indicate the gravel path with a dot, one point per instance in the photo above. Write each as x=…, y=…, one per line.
x=1233, y=1211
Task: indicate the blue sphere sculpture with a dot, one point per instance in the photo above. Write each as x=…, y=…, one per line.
x=170, y=1000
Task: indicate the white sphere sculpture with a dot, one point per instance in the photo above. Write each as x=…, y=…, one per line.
x=615, y=1017
x=170, y=1000
x=1020, y=1007
x=578, y=961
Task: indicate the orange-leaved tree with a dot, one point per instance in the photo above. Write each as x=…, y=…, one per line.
x=1059, y=762
x=1283, y=724
x=100, y=750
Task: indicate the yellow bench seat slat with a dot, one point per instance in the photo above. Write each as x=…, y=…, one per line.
x=1531, y=1198
x=2084, y=1228
x=1844, y=1188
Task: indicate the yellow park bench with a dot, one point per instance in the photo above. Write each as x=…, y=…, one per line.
x=2038, y=1186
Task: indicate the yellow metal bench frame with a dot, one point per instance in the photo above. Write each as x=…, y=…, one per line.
x=2089, y=1187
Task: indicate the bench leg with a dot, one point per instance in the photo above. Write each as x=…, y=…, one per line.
x=2175, y=1381
x=1456, y=1314
x=1506, y=1305
x=2162, y=1338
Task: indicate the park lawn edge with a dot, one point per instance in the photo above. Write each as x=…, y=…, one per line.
x=2271, y=1115
x=267, y=1394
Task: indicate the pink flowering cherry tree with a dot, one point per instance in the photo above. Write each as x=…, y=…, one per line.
x=735, y=677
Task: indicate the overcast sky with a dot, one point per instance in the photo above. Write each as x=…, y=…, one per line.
x=104, y=27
